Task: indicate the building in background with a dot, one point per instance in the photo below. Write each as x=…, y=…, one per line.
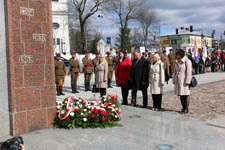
x=60, y=21
x=186, y=41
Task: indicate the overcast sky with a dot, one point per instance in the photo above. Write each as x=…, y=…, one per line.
x=202, y=14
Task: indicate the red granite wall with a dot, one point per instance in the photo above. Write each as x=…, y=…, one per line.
x=32, y=96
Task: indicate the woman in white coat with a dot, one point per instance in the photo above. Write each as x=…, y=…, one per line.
x=157, y=81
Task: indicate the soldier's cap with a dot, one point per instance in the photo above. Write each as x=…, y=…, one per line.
x=97, y=53
x=58, y=55
x=126, y=52
x=117, y=52
x=171, y=49
x=86, y=51
x=143, y=53
x=164, y=50
x=108, y=53
x=73, y=52
x=149, y=53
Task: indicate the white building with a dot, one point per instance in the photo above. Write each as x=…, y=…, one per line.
x=60, y=19
x=102, y=46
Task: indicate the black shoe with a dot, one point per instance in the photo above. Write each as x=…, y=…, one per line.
x=186, y=111
x=144, y=106
x=134, y=105
x=124, y=103
x=77, y=91
x=58, y=94
x=62, y=93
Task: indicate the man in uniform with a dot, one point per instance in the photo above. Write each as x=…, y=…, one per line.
x=115, y=62
x=110, y=68
x=88, y=70
x=144, y=54
x=149, y=58
x=95, y=62
x=60, y=73
x=172, y=60
x=74, y=71
x=165, y=60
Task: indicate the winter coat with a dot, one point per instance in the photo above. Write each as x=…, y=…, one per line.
x=157, y=77
x=101, y=75
x=123, y=71
x=140, y=73
x=182, y=77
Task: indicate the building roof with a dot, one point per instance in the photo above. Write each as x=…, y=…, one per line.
x=184, y=34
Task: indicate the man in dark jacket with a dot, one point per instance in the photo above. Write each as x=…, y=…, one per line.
x=140, y=78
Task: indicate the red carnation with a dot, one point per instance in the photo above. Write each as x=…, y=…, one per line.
x=66, y=99
x=96, y=112
x=102, y=113
x=93, y=116
x=75, y=109
x=103, y=119
x=112, y=121
x=117, y=111
x=114, y=101
x=67, y=118
x=107, y=113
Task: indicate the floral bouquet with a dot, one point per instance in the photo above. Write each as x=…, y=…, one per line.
x=76, y=112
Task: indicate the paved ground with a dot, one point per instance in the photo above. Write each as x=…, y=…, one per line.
x=146, y=133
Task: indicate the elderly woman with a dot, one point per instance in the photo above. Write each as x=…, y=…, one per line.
x=101, y=71
x=182, y=79
x=157, y=81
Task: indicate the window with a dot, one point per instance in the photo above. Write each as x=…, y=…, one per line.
x=55, y=25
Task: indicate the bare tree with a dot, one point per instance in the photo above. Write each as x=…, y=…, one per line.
x=126, y=10
x=82, y=11
x=136, y=37
x=147, y=19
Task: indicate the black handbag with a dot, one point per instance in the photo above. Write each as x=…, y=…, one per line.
x=194, y=82
x=94, y=89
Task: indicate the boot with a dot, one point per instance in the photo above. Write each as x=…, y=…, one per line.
x=57, y=91
x=75, y=89
x=86, y=89
x=88, y=86
x=60, y=90
x=110, y=82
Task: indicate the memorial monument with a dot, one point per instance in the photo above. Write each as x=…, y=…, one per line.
x=27, y=96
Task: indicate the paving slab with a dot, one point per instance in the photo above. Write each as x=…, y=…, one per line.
x=142, y=129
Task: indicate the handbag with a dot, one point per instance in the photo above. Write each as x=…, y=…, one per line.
x=194, y=82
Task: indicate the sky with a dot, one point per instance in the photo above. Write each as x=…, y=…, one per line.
x=202, y=14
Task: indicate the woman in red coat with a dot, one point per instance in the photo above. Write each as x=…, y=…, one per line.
x=123, y=75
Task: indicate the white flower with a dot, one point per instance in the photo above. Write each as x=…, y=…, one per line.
x=77, y=103
x=58, y=107
x=62, y=112
x=72, y=114
x=66, y=102
x=89, y=107
x=82, y=114
x=114, y=105
x=116, y=108
x=102, y=105
x=85, y=110
x=80, y=105
x=84, y=119
x=71, y=103
x=80, y=100
x=113, y=109
x=116, y=116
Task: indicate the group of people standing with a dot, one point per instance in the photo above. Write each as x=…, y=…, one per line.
x=137, y=73
x=142, y=72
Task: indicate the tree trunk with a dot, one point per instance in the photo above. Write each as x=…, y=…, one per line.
x=82, y=35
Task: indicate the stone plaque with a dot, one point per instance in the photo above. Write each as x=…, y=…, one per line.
x=27, y=11
x=26, y=59
x=39, y=37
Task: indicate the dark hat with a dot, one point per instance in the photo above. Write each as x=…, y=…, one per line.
x=143, y=53
x=108, y=53
x=149, y=53
x=171, y=49
x=73, y=52
x=117, y=52
x=126, y=52
x=97, y=53
x=86, y=51
x=164, y=50
x=58, y=55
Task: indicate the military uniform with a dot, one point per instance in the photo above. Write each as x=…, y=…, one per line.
x=110, y=70
x=88, y=70
x=172, y=60
x=149, y=59
x=165, y=60
x=60, y=73
x=74, y=71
